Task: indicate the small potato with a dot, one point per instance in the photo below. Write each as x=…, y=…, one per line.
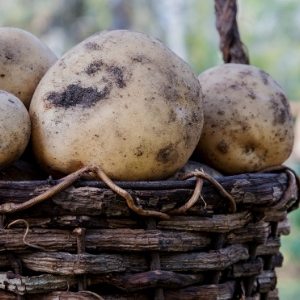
x=14, y=128
x=248, y=123
x=193, y=166
x=122, y=100
x=24, y=59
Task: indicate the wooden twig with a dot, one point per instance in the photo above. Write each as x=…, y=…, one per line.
x=69, y=180
x=66, y=182
x=293, y=181
x=231, y=46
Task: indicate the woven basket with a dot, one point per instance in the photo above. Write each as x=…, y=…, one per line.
x=85, y=242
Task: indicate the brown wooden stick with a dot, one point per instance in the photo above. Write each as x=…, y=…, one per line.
x=231, y=46
x=66, y=182
x=286, y=197
x=216, y=185
x=291, y=183
x=69, y=180
x=127, y=196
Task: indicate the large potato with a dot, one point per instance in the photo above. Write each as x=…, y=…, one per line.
x=119, y=99
x=248, y=123
x=14, y=128
x=24, y=59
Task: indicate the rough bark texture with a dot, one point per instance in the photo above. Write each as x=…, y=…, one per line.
x=175, y=238
x=86, y=238
x=231, y=46
x=66, y=263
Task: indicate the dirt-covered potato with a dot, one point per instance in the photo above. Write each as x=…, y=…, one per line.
x=24, y=59
x=122, y=100
x=194, y=166
x=248, y=123
x=14, y=128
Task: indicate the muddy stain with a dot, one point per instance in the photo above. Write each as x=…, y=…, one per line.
x=94, y=67
x=113, y=73
x=248, y=149
x=76, y=95
x=92, y=46
x=264, y=76
x=280, y=115
x=117, y=73
x=251, y=94
x=167, y=154
x=141, y=59
x=223, y=147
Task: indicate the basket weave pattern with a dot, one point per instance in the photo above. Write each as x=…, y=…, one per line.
x=87, y=239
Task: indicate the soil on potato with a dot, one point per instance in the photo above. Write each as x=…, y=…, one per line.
x=75, y=94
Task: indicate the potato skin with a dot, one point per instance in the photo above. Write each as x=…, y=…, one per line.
x=15, y=128
x=122, y=100
x=248, y=123
x=24, y=60
x=194, y=166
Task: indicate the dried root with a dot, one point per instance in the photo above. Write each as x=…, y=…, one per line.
x=192, y=201
x=222, y=191
x=127, y=196
x=294, y=181
x=66, y=182
x=25, y=234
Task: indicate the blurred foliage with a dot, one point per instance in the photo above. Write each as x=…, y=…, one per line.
x=269, y=29
x=271, y=33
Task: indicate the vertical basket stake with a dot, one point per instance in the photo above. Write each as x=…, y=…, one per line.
x=80, y=235
x=14, y=261
x=233, y=51
x=217, y=244
x=2, y=221
x=155, y=259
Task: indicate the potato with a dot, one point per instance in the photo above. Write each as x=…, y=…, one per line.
x=248, y=122
x=14, y=127
x=24, y=59
x=194, y=166
x=122, y=100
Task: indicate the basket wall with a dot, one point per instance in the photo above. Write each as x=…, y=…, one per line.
x=87, y=239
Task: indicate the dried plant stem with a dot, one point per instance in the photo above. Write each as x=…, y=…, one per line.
x=288, y=194
x=127, y=196
x=222, y=191
x=66, y=182
x=70, y=179
x=25, y=234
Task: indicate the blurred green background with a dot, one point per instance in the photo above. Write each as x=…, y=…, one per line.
x=269, y=29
